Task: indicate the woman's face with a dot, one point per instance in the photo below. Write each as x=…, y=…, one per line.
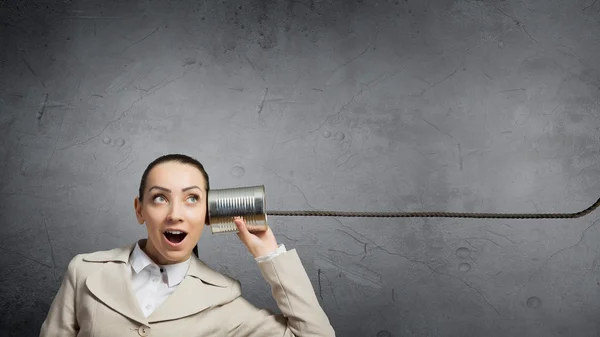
x=174, y=210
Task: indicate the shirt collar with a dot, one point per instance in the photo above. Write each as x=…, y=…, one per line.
x=197, y=269
x=175, y=272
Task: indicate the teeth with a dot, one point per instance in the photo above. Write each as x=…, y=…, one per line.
x=175, y=232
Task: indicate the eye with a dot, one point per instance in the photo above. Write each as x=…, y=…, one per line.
x=156, y=197
x=195, y=198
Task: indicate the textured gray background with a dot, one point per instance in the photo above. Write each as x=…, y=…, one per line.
x=474, y=106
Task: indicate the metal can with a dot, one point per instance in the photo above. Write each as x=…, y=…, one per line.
x=246, y=202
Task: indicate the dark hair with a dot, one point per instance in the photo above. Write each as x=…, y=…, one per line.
x=179, y=158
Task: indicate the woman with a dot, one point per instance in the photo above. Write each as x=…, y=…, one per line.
x=159, y=287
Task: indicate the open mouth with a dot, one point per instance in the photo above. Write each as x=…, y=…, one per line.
x=174, y=237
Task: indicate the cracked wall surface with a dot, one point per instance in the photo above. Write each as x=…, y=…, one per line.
x=359, y=105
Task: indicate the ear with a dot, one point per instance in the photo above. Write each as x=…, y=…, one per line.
x=137, y=205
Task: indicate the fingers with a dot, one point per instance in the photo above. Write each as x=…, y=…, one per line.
x=241, y=226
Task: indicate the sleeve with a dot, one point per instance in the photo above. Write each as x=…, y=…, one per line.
x=280, y=250
x=61, y=320
x=301, y=314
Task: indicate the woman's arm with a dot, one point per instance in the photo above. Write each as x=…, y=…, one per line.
x=61, y=320
x=302, y=314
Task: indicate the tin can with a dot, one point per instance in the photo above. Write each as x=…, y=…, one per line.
x=246, y=202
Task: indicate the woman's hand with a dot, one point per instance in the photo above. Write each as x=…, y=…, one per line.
x=258, y=243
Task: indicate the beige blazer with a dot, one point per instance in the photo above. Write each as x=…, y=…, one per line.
x=95, y=299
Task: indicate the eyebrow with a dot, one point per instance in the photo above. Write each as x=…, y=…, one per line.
x=168, y=190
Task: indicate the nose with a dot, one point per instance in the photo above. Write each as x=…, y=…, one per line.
x=175, y=213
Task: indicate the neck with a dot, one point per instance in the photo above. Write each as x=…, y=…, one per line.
x=148, y=248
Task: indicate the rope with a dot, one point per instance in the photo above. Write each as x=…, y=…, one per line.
x=440, y=214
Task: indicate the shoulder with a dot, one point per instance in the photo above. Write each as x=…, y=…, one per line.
x=83, y=263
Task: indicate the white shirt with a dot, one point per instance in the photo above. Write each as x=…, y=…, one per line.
x=152, y=284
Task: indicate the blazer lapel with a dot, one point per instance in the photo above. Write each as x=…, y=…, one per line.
x=201, y=288
x=112, y=284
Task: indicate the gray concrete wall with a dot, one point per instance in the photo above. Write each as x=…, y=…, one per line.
x=474, y=106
